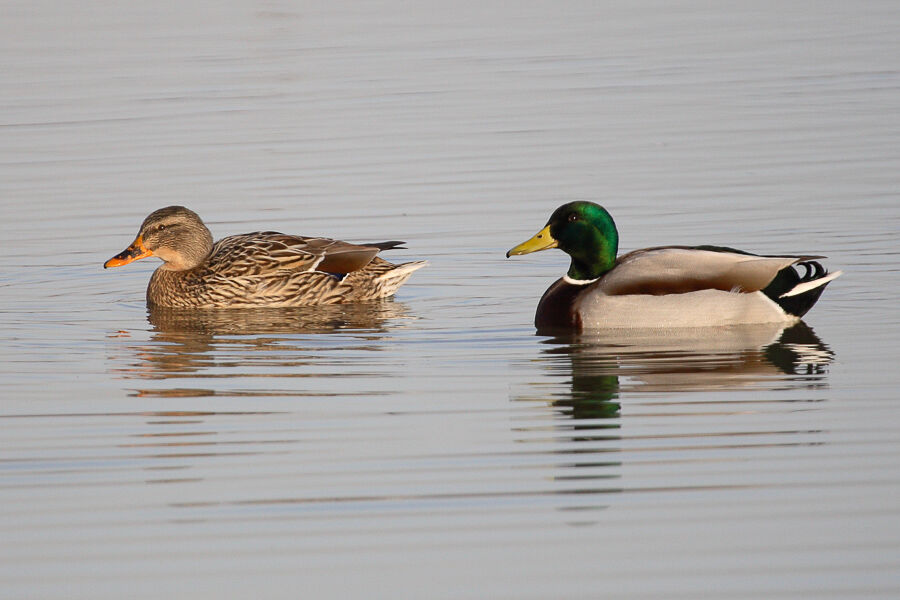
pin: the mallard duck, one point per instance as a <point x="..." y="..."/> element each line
<point x="665" y="286"/>
<point x="264" y="268"/>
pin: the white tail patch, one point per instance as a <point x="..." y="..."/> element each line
<point x="811" y="285"/>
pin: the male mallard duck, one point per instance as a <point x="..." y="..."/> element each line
<point x="666" y="286"/>
<point x="264" y="268"/>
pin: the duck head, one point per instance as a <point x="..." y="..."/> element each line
<point x="175" y="234"/>
<point x="584" y="231"/>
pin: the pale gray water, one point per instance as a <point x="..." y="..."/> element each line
<point x="434" y="446"/>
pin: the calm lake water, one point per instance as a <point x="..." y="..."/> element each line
<point x="434" y="446"/>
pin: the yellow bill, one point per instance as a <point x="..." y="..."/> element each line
<point x="541" y="241"/>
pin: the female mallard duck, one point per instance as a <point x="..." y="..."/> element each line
<point x="256" y="269"/>
<point x="667" y="286"/>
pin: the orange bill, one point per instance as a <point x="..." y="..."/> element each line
<point x="135" y="251"/>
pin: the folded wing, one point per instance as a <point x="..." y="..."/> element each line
<point x="682" y="269"/>
<point x="265" y="252"/>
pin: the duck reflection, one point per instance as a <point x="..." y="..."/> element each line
<point x="241" y="342"/>
<point x="603" y="363"/>
<point x="596" y="370"/>
<point x="192" y="356"/>
<point x="369" y="317"/>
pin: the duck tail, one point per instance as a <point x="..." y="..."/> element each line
<point x="390" y="281"/>
<point x="380" y="278"/>
<point x="796" y="293"/>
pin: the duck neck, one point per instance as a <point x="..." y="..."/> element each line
<point x="192" y="252"/>
<point x="585" y="272"/>
<point x="594" y="257"/>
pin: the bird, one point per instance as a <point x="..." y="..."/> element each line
<point x="664" y="286"/>
<point x="259" y="269"/>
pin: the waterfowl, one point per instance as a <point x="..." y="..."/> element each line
<point x="264" y="268"/>
<point x="665" y="286"/>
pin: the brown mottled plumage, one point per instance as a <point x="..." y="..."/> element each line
<point x="263" y="268"/>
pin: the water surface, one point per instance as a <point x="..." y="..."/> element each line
<point x="434" y="446"/>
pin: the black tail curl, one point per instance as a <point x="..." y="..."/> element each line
<point x="789" y="278"/>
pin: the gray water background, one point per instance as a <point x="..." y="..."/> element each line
<point x="434" y="447"/>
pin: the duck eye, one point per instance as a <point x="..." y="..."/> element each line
<point x="161" y="228"/>
<point x="573" y="217"/>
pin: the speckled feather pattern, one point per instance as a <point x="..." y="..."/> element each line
<point x="275" y="270"/>
<point x="259" y="269"/>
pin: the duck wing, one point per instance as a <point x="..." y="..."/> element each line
<point x="680" y="269"/>
<point x="267" y="252"/>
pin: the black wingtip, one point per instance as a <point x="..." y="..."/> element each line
<point x="392" y="245"/>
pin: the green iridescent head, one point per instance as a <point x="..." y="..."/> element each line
<point x="584" y="231"/>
